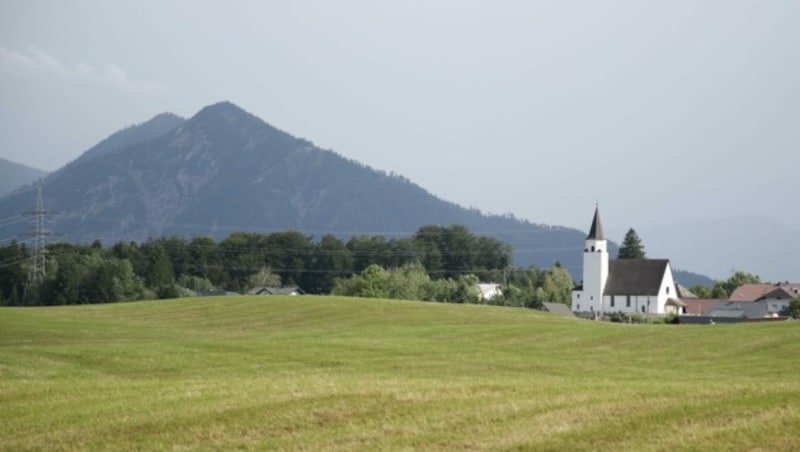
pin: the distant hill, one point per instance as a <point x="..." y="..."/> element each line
<point x="717" y="247"/>
<point x="225" y="170"/>
<point x="688" y="279"/>
<point x="15" y="175"/>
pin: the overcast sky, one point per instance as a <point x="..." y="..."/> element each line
<point x="661" y="110"/>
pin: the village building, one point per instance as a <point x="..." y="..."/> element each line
<point x="643" y="286"/>
<point x="776" y="296"/>
<point x="487" y="291"/>
<point x="270" y="290"/>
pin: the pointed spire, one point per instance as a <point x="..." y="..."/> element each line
<point x="596" y="231"/>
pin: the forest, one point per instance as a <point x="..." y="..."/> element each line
<point x="437" y="263"/>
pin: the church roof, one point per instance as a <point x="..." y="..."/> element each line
<point x="596" y="231"/>
<point x="635" y="276"/>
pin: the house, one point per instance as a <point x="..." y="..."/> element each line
<point x="644" y="286"/>
<point x="285" y="290"/>
<point x="777" y="296"/>
<point x="487" y="291"/>
<point x="755" y="292"/>
<point x="699" y="306"/>
<point x="747" y="310"/>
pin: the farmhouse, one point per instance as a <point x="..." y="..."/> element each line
<point x="776" y="296"/>
<point x="487" y="291"/>
<point x="644" y="286"/>
<point x="268" y="290"/>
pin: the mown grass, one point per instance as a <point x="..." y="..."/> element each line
<point x="336" y="373"/>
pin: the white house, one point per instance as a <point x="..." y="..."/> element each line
<point x="489" y="291"/>
<point x="643" y="286"/>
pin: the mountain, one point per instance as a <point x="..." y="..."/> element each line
<point x="15" y="175"/>
<point x="716" y="247"/>
<point x="225" y="170"/>
<point x="154" y="128"/>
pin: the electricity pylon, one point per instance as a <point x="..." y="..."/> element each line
<point x="39" y="258"/>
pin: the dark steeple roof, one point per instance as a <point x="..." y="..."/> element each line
<point x="596" y="232"/>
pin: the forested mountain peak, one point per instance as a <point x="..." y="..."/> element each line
<point x="157" y="126"/>
<point x="225" y="170"/>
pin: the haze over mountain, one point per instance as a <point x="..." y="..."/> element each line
<point x="717" y="247"/>
<point x="666" y="112"/>
<point x="15" y="175"/>
<point x="225" y="170"/>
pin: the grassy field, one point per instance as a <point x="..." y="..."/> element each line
<point x="336" y="373"/>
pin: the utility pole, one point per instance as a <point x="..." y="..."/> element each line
<point x="39" y="257"/>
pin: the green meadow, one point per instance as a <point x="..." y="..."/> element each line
<point x="330" y="373"/>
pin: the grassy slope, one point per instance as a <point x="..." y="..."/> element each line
<point x="336" y="373"/>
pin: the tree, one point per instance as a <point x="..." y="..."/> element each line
<point x="289" y="253"/>
<point x="157" y="272"/>
<point x="557" y="285"/>
<point x="264" y="277"/>
<point x="793" y="310"/>
<point x="331" y="260"/>
<point x="631" y="247"/>
<point x="373" y="282"/>
<point x="13" y="277"/>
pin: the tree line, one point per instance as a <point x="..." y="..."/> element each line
<point x="436" y="263"/>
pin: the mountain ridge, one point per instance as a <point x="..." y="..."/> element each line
<point x="225" y="170"/>
<point x="14" y="175"/>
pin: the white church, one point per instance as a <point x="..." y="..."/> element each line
<point x="643" y="286"/>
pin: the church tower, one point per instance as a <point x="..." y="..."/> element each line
<point x="595" y="266"/>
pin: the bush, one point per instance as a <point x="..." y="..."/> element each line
<point x="672" y="319"/>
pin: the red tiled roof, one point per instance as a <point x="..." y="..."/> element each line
<point x="700" y="306"/>
<point x="752" y="292"/>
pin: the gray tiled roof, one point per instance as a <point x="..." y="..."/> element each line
<point x="746" y="309"/>
<point x="635" y="276"/>
<point x="265" y="290"/>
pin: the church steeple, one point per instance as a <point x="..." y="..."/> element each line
<point x="595" y="269"/>
<point x="596" y="231"/>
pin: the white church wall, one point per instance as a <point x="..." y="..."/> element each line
<point x="631" y="304"/>
<point x="666" y="291"/>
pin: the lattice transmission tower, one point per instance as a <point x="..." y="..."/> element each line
<point x="39" y="257"/>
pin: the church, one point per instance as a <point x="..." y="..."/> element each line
<point x="643" y="286"/>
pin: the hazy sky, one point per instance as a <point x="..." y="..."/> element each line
<point x="661" y="110"/>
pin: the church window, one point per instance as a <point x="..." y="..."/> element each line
<point x="627" y="301"/>
<point x="579" y="294"/>
<point x="578" y="308"/>
<point x="667" y="290"/>
<point x="642" y="308"/>
<point x="593" y="248"/>
<point x="612" y="301"/>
